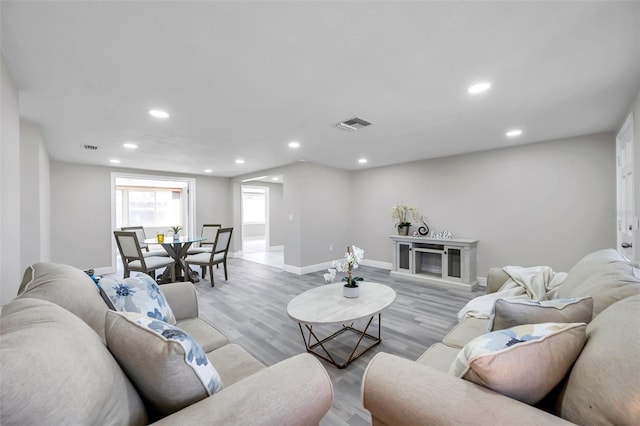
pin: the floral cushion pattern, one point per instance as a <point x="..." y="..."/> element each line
<point x="138" y="294"/>
<point x="510" y="313"/>
<point x="523" y="362"/>
<point x="169" y="368"/>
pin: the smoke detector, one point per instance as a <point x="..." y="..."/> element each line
<point x="353" y="124"/>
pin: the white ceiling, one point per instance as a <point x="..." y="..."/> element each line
<point x="242" y="79"/>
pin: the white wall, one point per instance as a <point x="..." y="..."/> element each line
<point x="536" y="204"/>
<point x="319" y="199"/>
<point x="45" y="202"/>
<point x="81" y="210"/>
<point x="10" y="241"/>
<point x="212" y="202"/>
<point x="542" y="203"/>
<point x="35" y="195"/>
<point x="81" y="215"/>
<point x="316" y="198"/>
<point x="277" y="217"/>
<point x="253" y="230"/>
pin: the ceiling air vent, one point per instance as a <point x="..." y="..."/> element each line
<point x="90" y="147"/>
<point x="353" y="124"/>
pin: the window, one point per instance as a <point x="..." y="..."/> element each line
<point x="149" y="206"/>
<point x="154" y="202"/>
<point x="253" y="205"/>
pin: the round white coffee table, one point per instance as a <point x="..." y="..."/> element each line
<point x="325" y="305"/>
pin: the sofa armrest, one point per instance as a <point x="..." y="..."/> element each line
<point x="182" y="298"/>
<point x="496" y="277"/>
<point x="296" y="391"/>
<point x="398" y="391"/>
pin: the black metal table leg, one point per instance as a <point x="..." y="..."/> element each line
<point x="352" y="356"/>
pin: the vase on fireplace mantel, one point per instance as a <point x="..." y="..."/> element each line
<point x="403" y="229"/>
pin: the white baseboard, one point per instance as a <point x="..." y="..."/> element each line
<point x="377" y="264"/>
<point x="276" y="248"/>
<point x="105" y="270"/>
<point x="482" y="281"/>
<point x="307" y="269"/>
<point x="429" y="279"/>
<point x="326" y="265"/>
<point x="235" y="253"/>
<point x="292" y="269"/>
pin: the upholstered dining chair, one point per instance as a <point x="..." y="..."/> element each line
<point x="134" y="260"/>
<point x="217" y="256"/>
<point x="209" y="232"/>
<point x="139" y="230"/>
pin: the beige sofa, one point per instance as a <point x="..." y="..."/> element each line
<point x="602" y="387"/>
<point x="57" y="369"/>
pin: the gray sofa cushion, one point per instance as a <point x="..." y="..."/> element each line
<point x="439" y="357"/>
<point x="234" y="363"/>
<point x="603" y="275"/>
<point x="204" y="333"/>
<point x="465" y="331"/>
<point x="68" y="287"/>
<point x="55" y="370"/>
<point x="602" y="388"/>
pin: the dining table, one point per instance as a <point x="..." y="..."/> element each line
<point x="177" y="249"/>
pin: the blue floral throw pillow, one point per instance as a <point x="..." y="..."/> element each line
<point x="138" y="294"/>
<point x="523" y="362"/>
<point x="167" y="366"/>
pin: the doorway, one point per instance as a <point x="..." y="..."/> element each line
<point x="155" y="202"/>
<point x="255" y="219"/>
<point x="261" y="224"/>
<point x="626" y="217"/>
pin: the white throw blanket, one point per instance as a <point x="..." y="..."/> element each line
<point x="534" y="283"/>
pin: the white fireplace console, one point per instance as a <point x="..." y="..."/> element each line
<point x="448" y="263"/>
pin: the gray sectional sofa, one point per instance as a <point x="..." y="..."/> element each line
<point x="601" y="388"/>
<point x="57" y="369"/>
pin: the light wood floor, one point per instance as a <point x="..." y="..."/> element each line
<point x="250" y="309"/>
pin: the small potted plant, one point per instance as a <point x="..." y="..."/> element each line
<point x="176" y="230"/>
<point x="352" y="259"/>
<point x="400" y="215"/>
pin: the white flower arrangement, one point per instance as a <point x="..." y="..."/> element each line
<point x="330" y="276"/>
<point x="400" y="214"/>
<point x="351" y="260"/>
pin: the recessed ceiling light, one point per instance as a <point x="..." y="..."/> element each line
<point x="294" y="144"/>
<point x="479" y="87"/>
<point x="130" y="145"/>
<point x="362" y="161"/>
<point x="239" y="161"/>
<point x="114" y="161"/>
<point x="513" y="133"/>
<point x="158" y="113"/>
<point x="208" y="170"/>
